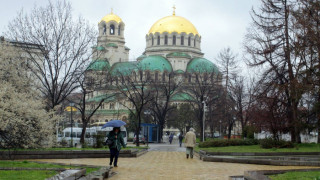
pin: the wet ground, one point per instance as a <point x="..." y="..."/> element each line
<point x="165" y="161"/>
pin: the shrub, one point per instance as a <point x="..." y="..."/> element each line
<point x="226" y="142"/>
<point x="99" y="139"/>
<point x="269" y="143"/>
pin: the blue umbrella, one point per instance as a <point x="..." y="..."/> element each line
<point x="114" y="123"/>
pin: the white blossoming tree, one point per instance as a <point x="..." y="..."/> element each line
<point x="24" y="123"/>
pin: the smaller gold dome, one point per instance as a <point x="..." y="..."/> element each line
<point x="111" y="17"/>
<point x="173" y="24"/>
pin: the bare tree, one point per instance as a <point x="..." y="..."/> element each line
<point x="203" y="88"/>
<point x="270" y="44"/>
<point x="82" y="103"/>
<point x="308" y="49"/>
<point x="64" y="43"/>
<point x="136" y="89"/>
<point x="162" y="92"/>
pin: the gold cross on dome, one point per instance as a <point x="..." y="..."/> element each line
<point x="174" y="10"/>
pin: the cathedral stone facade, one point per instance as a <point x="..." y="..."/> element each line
<point x="173" y="45"/>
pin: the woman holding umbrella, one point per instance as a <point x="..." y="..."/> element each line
<point x="117" y="138"/>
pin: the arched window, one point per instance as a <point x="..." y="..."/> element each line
<point x="141" y="75"/>
<point x="189" y="41"/>
<point x="152" y="40"/>
<point x="112" y="29"/>
<point x="164" y="76"/>
<point x="104" y="29"/>
<point x="174" y="40"/>
<point x="194" y="43"/>
<point x="158" y="41"/>
<point x="165" y="39"/>
<point x="119" y="30"/>
<point x="182" y="40"/>
<point x="156" y="74"/>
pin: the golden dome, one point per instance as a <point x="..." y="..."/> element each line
<point x="173" y="24"/>
<point x="111" y="17"/>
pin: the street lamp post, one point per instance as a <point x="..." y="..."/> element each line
<point x="220" y="130"/>
<point x="203" y="119"/>
<point x="71" y="104"/>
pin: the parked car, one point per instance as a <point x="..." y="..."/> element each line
<point x="142" y="139"/>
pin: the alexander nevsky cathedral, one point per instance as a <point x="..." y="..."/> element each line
<point x="173" y="45"/>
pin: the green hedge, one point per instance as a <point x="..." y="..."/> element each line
<point x="264" y="143"/>
<point x="226" y="142"/>
<point x="269" y="143"/>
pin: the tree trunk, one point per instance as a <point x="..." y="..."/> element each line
<point x="229" y="130"/>
<point x="85" y="123"/>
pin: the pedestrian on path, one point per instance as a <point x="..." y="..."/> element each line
<point x="171" y="138"/>
<point x="116" y="137"/>
<point x="190" y="142"/>
<point x="180" y="138"/>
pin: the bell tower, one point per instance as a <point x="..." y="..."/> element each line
<point x="111" y="42"/>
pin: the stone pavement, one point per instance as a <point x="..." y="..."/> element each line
<point x="169" y="162"/>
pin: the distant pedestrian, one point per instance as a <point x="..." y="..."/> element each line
<point x="180" y="138"/>
<point x="171" y="138"/>
<point x="190" y="142"/>
<point x="117" y="138"/>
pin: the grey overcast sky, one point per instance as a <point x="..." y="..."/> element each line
<point x="221" y="23"/>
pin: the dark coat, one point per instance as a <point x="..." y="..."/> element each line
<point x="117" y="142"/>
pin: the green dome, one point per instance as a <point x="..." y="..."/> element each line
<point x="141" y="57"/>
<point x="123" y="68"/>
<point x="99" y="65"/>
<point x="201" y="65"/>
<point x="155" y="63"/>
<point x="178" y="54"/>
<point x="181" y="96"/>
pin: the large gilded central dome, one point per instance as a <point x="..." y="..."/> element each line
<point x="173" y="24"/>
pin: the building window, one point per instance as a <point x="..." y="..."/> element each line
<point x="141" y="75"/>
<point x="164" y="77"/>
<point x="152" y="40"/>
<point x="158" y="42"/>
<point x="104" y="29"/>
<point x="156" y="76"/>
<point x="174" y="40"/>
<point x="102" y="106"/>
<point x="112" y="29"/>
<point x="111" y="106"/>
<point x="165" y="39"/>
<point x="189" y="41"/>
<point x="182" y="40"/>
<point x="194" y="43"/>
<point x="119" y="30"/>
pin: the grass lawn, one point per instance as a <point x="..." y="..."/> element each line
<point x="26" y="174"/>
<point x="74" y="149"/>
<point x="33" y="174"/>
<point x="311" y="175"/>
<point x="257" y="148"/>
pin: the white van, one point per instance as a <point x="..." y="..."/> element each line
<point x="90" y="132"/>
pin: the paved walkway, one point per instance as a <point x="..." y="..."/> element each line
<point x="163" y="162"/>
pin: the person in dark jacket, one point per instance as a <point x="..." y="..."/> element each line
<point x="180" y="138"/>
<point x="170" y="138"/>
<point x="117" y="138"/>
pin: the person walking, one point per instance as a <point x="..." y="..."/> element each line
<point x="171" y="138"/>
<point x="180" y="138"/>
<point x="190" y="142"/>
<point x="116" y="137"/>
